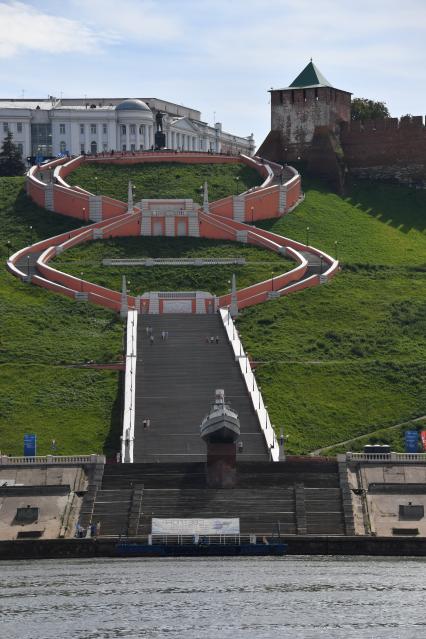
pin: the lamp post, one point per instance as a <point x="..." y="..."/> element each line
<point x="31" y="234"/>
<point x="252" y="214"/>
<point x="307" y="236"/>
<point x="8" y="248"/>
<point x="96" y="184"/>
<point x="272" y="280"/>
<point x="28" y="265"/>
<point x="81" y="281"/>
<point x="84" y="213"/>
<point x="336" y="244"/>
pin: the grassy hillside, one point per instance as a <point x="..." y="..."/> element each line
<point x="168" y="180"/>
<point x="41" y="336"/>
<point x="348" y="358"/>
<point x="336" y="362"/>
<point x="87" y="258"/>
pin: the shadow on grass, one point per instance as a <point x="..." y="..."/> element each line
<point x="112" y="443"/>
<point x="393" y="204"/>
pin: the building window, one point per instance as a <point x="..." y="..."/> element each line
<point x="81" y="129"/>
<point x="93" y="129"/>
<point x="62" y="147"/>
<point x="93" y="147"/>
<point x="133" y="147"/>
<point x="82" y="149"/>
<point x="141" y="147"/>
<point x="20" y="148"/>
<point x="142" y="129"/>
<point x="304" y="95"/>
<point x="62" y="129"/>
<point x="105" y="147"/>
<point x="41" y="139"/>
<point x="5" y="127"/>
<point x="133" y="129"/>
<point x="123" y="148"/>
<point x="123" y="129"/>
<point x="104" y="129"/>
<point x="19" y="127"/>
<point x="316" y="94"/>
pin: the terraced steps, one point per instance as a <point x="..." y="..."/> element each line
<point x="175" y="384"/>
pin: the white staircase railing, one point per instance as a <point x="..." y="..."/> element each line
<point x="128" y="436"/>
<point x="251" y="384"/>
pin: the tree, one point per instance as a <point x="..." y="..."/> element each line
<point x="364" y="109"/>
<point x="10" y="158"/>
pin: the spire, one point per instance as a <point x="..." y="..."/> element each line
<point x="311" y="76"/>
<point x="233" y="309"/>
<point x="206" y="198"/>
<point x="124" y="307"/>
<point x="130" y="198"/>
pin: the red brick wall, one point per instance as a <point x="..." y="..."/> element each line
<point x="392" y="144"/>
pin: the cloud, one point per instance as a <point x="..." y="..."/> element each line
<point x="24" y="28"/>
<point x="143" y="21"/>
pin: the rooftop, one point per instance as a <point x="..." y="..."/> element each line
<point x="311" y="76"/>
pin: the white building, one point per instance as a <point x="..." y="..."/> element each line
<point x="49" y="127"/>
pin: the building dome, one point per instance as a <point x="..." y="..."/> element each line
<point x="132" y="105"/>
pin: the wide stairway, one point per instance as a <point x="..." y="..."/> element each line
<point x="176" y="380"/>
<point x="293" y="497"/>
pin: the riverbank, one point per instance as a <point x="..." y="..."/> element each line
<point x="297" y="545"/>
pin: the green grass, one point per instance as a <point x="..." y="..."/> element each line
<point x="41" y="334"/>
<point x="338" y="361"/>
<point x="168" y="180"/>
<point x="87" y="258"/>
<point x="80" y="409"/>
<point x="348" y="358"/>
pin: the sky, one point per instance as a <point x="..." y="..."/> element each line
<point x="219" y="57"/>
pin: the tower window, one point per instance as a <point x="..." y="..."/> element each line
<point x="304" y="95"/>
<point x="316" y="94"/>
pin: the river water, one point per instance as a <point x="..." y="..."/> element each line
<point x="264" y="598"/>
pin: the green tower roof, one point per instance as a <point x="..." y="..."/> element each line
<point x="310" y="77"/>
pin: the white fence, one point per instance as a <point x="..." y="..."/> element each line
<point x="251" y="384"/>
<point x="69" y="460"/>
<point x="178" y="261"/>
<point x="128" y="436"/>
<point x="390" y="458"/>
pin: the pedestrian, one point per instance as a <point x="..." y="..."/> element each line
<point x="212" y="339"/>
<point x="217" y="339"/>
<point x="148" y="422"/>
<point x="144" y="423"/>
<point x="163" y="335"/>
<point x="98" y="528"/>
<point x="53" y="444"/>
<point x="93" y="529"/>
<point x="147" y="330"/>
<point x="151" y="339"/>
<point x="240" y="446"/>
<point x="166" y="334"/>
